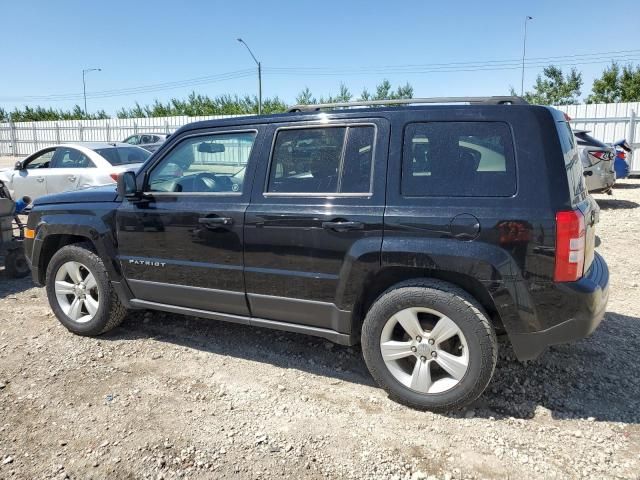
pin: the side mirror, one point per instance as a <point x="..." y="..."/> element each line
<point x="19" y="165"/>
<point x="127" y="186"/>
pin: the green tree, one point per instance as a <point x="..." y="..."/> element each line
<point x="555" y="88"/>
<point x="305" y="97"/>
<point x="616" y="85"/>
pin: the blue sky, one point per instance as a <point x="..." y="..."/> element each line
<point x="46" y="45"/>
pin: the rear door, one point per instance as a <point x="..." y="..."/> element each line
<point x="182" y="244"/>
<point x="317" y="206"/>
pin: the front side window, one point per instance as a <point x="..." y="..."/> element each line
<point x="458" y="159"/>
<point x="70" y="158"/>
<point x="322" y="160"/>
<point x="41" y="161"/>
<point x="204" y="164"/>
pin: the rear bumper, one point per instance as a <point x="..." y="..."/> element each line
<point x="589" y="295"/>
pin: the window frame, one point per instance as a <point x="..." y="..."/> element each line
<point x="59" y="154"/>
<point x="510" y="154"/>
<point x="36" y="155"/>
<point x="147" y="172"/>
<point x="346" y="125"/>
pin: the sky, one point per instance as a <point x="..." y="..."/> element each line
<point x="315" y="44"/>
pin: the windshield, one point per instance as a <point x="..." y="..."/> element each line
<point x="123" y="155"/>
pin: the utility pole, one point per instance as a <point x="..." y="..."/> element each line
<point x="84" y="85"/>
<point x="259" y="75"/>
<point x="524" y="53"/>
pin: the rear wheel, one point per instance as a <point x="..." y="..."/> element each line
<point x="80" y="293"/>
<point x="429" y="345"/>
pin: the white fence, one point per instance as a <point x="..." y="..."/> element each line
<point x="608" y="122"/>
<point x="24" y="138"/>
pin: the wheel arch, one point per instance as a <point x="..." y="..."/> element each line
<point x="394" y="275"/>
<point x="53" y="243"/>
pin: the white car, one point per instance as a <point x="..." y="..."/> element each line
<point x="71" y="166"/>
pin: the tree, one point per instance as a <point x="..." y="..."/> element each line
<point x="305" y="97"/>
<point x="616" y="85"/>
<point x="554" y="88"/>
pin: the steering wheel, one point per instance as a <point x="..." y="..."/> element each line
<point x="206" y="182"/>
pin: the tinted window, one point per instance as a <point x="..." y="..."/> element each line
<point x="573" y="166"/>
<point x="322" y="160"/>
<point x="587" y="140"/>
<point x="123" y="155"/>
<point x="70" y="158"/>
<point x="132" y="140"/>
<point x="206" y="164"/>
<point x="463" y="159"/>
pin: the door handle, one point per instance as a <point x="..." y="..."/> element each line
<point x="342" y="226"/>
<point x="72" y="178"/>
<point x="40" y="179"/>
<point x="216" y="221"/>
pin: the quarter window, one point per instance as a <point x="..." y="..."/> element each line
<point x="324" y="160"/>
<point x="461" y="159"/>
<point x="204" y="164"/>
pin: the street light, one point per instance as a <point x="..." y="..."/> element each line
<point x="259" y="75"/>
<point x="84" y="84"/>
<point x="524" y="52"/>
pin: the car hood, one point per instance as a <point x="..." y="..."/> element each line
<point x="106" y="193"/>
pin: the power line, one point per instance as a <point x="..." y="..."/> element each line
<point x="141" y="89"/>
<point x="449" y="67"/>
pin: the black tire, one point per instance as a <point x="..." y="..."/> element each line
<point x="15" y="264"/>
<point x="110" y="312"/>
<point x="468" y="316"/>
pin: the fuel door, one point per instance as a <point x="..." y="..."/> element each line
<point x="465" y="227"/>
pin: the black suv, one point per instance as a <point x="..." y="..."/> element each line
<point x="421" y="231"/>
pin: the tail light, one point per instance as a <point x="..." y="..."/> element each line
<point x="602" y="154"/>
<point x="622" y="154"/>
<point x="567" y="117"/>
<point x="570" y="246"/>
<point x="114" y="176"/>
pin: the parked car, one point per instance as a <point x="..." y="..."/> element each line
<point x="148" y="141"/>
<point x="71" y="166"/>
<point x="621" y="165"/>
<point x="598" y="162"/>
<point x="422" y="232"/>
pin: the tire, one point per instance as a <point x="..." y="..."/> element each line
<point x="15" y="264"/>
<point x="419" y="379"/>
<point x="101" y="309"/>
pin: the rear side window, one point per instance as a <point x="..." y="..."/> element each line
<point x="572" y="163"/>
<point x="123" y="155"/>
<point x="324" y="160"/>
<point x="458" y="159"/>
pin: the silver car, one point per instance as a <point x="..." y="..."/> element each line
<point x="71" y="166"/>
<point x="598" y="162"/>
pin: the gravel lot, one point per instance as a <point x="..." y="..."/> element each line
<point x="167" y="396"/>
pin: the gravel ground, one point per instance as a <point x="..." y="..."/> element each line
<point x="167" y="396"/>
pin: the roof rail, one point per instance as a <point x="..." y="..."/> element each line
<point x="506" y="100"/>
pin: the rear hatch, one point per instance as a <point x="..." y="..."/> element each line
<point x="581" y="199"/>
<point x="597" y="151"/>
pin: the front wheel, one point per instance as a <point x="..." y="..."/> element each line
<point x="429" y="345"/>
<point x="80" y="293"/>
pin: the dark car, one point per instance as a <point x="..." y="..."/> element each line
<point x="149" y="141"/>
<point x="421" y="231"/>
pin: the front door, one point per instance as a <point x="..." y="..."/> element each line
<point x="181" y="245"/>
<point x="314" y="220"/>
<point x="32" y="179"/>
